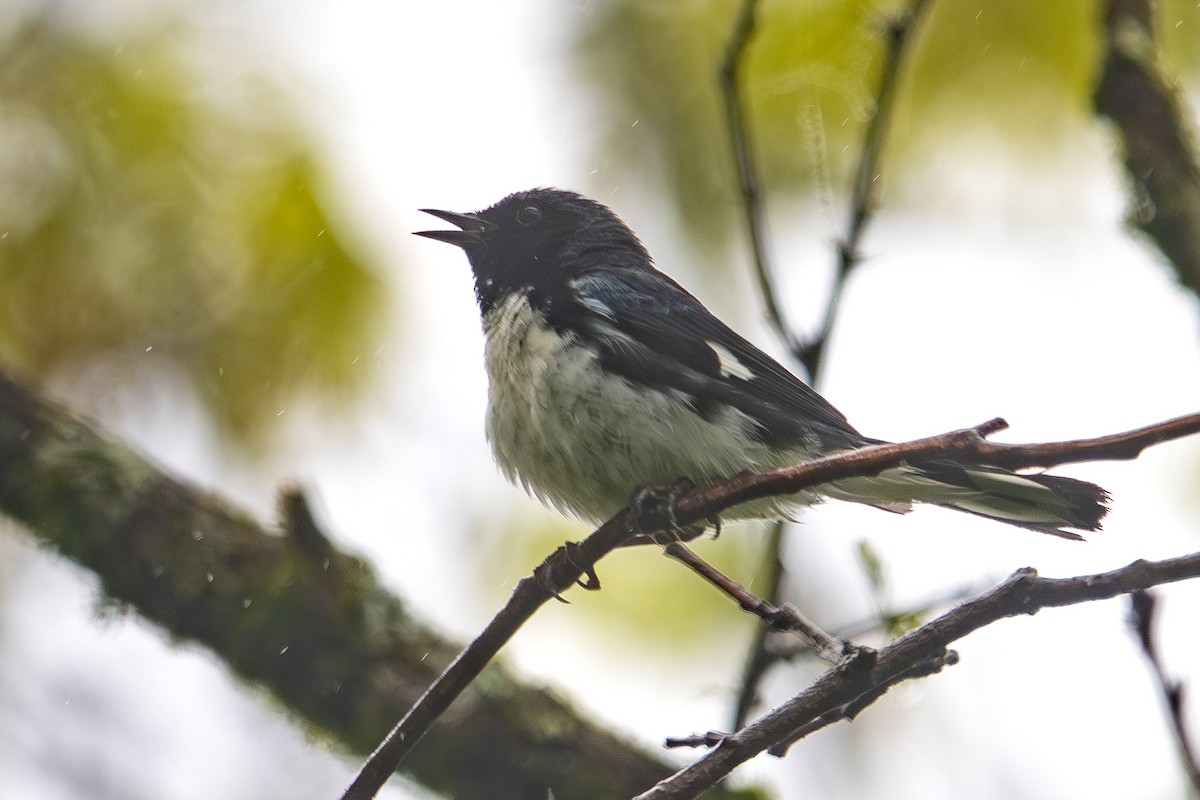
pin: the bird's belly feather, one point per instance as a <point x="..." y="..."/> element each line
<point x="583" y="441"/>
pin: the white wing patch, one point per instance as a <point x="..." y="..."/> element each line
<point x="592" y="303"/>
<point x="728" y="364"/>
<point x="597" y="306"/>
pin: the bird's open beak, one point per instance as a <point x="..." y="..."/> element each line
<point x="473" y="228"/>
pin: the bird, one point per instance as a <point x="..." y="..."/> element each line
<point x="606" y="376"/>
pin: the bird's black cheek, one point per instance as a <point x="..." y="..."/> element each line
<point x="488" y="295"/>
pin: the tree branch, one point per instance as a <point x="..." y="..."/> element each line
<point x="1142" y="607"/>
<point x="761" y="657"/>
<point x="776" y="617"/>
<point x="966" y="446"/>
<point x="1153" y="128"/>
<point x="900" y="30"/>
<point x="867" y="675"/>
<point x="571" y="562"/>
<point x="292" y="613"/>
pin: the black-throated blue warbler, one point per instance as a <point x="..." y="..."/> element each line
<point x="605" y="376"/>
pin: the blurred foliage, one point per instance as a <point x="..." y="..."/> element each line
<point x="1018" y="70"/>
<point x="143" y="208"/>
<point x="894" y="623"/>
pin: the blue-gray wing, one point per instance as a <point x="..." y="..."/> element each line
<point x="652" y="332"/>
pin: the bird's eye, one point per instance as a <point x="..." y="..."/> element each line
<point x="529" y="215"/>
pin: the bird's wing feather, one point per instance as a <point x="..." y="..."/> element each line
<point x="652" y="331"/>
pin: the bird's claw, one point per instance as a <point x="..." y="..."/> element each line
<point x="664" y="497"/>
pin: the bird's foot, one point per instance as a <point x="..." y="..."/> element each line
<point x="651" y="502"/>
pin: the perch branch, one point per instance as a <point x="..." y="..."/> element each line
<point x="570" y="563"/>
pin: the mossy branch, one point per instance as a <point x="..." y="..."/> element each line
<point x="289" y="611"/>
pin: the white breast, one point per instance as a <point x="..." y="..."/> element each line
<point x="583" y="441"/>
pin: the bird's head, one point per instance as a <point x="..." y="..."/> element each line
<point x="539" y="239"/>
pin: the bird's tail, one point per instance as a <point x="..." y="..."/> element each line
<point x="1046" y="503"/>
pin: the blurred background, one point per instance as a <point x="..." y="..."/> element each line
<point x="205" y="217"/>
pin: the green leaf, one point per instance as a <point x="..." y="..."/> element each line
<point x="145" y="221"/>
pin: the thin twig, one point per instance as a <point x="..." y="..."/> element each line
<point x="869" y="672"/>
<point x="567" y="565"/>
<point x="777" y="617"/>
<point x="1142" y="607"/>
<point x="761" y="657"/>
<point x="709" y="739"/>
<point x="865" y="197"/>
<point x="883" y="621"/>
<point x="729" y="79"/>
<point x="1116" y="447"/>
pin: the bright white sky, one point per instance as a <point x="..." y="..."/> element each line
<point x="994" y="290"/>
